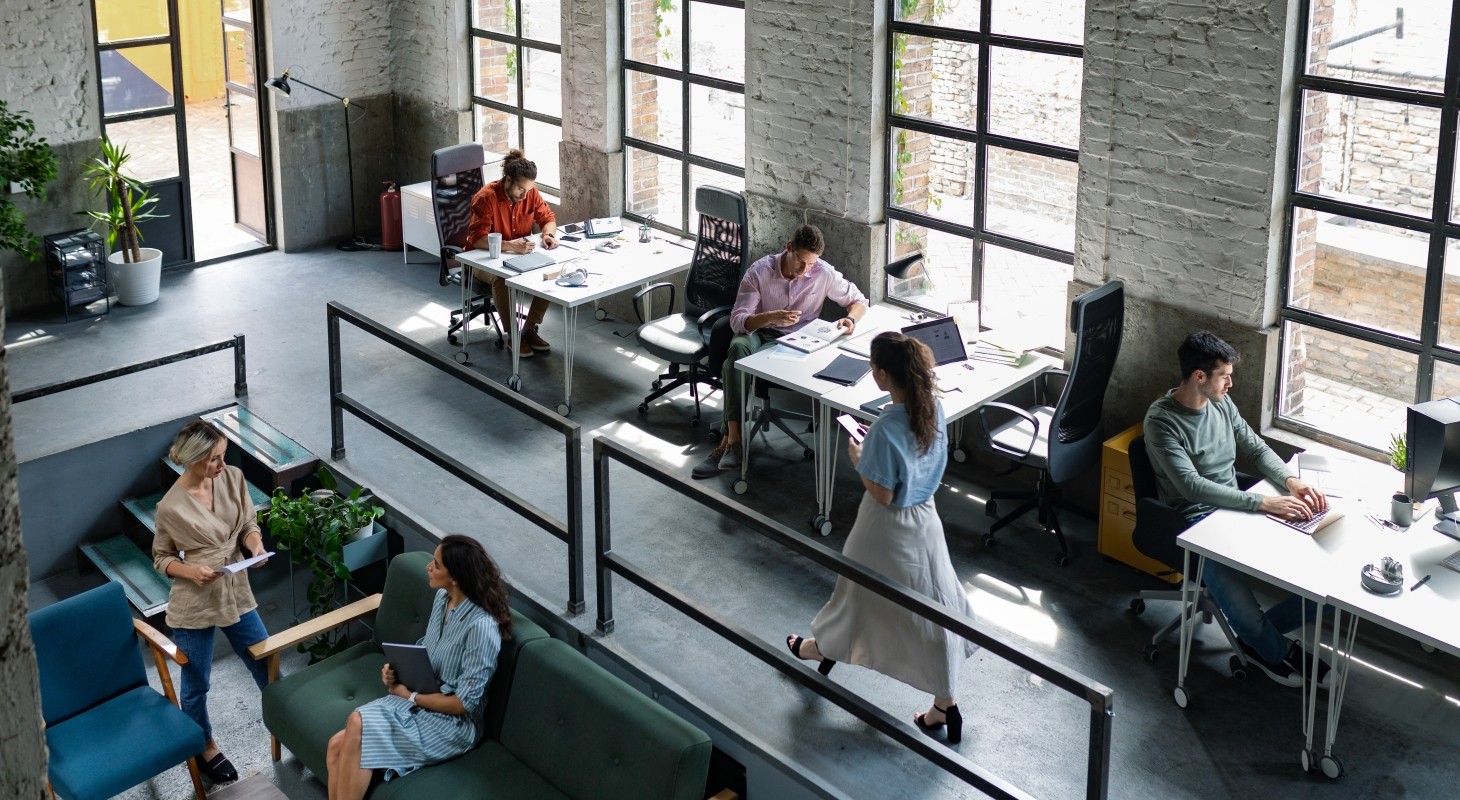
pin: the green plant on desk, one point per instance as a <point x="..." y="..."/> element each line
<point x="1398" y="452"/>
<point x="313" y="529"/>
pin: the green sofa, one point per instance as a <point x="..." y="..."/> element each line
<point x="557" y="725"/>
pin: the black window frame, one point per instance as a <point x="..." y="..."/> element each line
<point x="519" y="112"/>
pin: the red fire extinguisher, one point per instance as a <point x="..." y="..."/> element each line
<point x="390" y="224"/>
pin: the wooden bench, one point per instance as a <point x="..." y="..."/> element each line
<point x="285" y="459"/>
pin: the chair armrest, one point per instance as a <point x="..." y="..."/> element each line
<point x="725" y="794"/>
<point x="158" y="642"/>
<point x="311" y="628"/>
<point x="639" y="298"/>
<point x="449" y="252"/>
<point x="1044" y="392"/>
<point x="709" y="318"/>
<point x="988" y="431"/>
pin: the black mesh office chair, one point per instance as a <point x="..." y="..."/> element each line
<point x="456" y="176"/>
<point x="1157" y="526"/>
<point x="683" y="339"/>
<point x="1064" y="440"/>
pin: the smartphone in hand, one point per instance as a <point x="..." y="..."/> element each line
<point x="853" y="426"/>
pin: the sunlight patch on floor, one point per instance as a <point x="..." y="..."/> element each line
<point x="427" y="317"/>
<point x="1386" y="673"/>
<point x="646" y="444"/>
<point x="1012" y="608"/>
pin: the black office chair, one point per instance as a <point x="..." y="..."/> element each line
<point x="683" y="339"/>
<point x="1064" y="440"/>
<point x="765" y="415"/>
<point x="456" y="176"/>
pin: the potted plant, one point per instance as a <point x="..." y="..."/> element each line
<point x="314" y="529"/>
<point x="26" y="161"/>
<point x="1404" y="508"/>
<point x="136" y="270"/>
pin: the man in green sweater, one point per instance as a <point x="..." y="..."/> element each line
<point x="1194" y="434"/>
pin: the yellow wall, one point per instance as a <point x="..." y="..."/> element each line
<point x="199" y="24"/>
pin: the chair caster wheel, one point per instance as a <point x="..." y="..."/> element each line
<point x="808" y="454"/>
<point x="1138" y="606"/>
<point x="960" y="455"/>
<point x="656" y="385"/>
<point x="643" y="409"/>
<point x="453" y="340"/>
<point x="514" y="383"/>
<point x="715" y="435"/>
<point x="741" y="486"/>
<point x="821" y="525"/>
<point x="1063" y="559"/>
<point x="1239" y="670"/>
<point x="600" y="314"/>
<point x="991" y="508"/>
<point x="1331" y="766"/>
<point x="1150" y="653"/>
<point x="1182" y="697"/>
<point x="988" y="540"/>
<point x="461" y="356"/>
<point x="500" y="344"/>
<point x="694" y="422"/>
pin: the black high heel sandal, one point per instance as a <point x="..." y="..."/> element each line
<point x="794" y="643"/>
<point x="954" y="723"/>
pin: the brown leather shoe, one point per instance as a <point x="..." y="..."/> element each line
<point x="523" y="349"/>
<point x="534" y="341"/>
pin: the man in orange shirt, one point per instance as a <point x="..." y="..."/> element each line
<point x="510" y="206"/>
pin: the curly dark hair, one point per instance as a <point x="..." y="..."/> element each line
<point x="516" y="167"/>
<point x="467" y="562"/>
<point x="909" y="364"/>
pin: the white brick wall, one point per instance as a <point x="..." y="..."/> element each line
<point x="47" y="68"/>
<point x="429" y="58"/>
<point x="1182" y="143"/>
<point x="815" y="120"/>
<point x="343" y="46"/>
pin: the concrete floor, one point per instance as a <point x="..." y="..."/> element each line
<point x="1400" y="730"/>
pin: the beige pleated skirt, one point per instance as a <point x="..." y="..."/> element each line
<point x="859" y="627"/>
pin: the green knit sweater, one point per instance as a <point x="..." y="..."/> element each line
<point x="1194" y="454"/>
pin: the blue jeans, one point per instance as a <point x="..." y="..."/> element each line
<point x="1262" y="631"/>
<point x="197" y="645"/>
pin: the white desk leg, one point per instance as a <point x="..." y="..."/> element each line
<point x="825" y="460"/>
<point x="514" y="299"/>
<point x="1343" y="653"/>
<point x="570" y="333"/>
<point x="747" y="388"/>
<point x="1309" y="704"/>
<point x="959" y="454"/>
<point x="1190" y="589"/>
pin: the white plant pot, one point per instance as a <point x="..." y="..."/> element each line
<point x="137" y="284"/>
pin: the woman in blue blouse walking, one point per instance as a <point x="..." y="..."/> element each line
<point x="406" y="730"/>
<point x="898" y="533"/>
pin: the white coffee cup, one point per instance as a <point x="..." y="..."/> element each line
<point x="494" y="245"/>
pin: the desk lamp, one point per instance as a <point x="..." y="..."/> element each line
<point x="281" y="85"/>
<point x="903" y="268"/>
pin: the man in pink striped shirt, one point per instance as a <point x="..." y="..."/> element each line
<point x="780" y="293"/>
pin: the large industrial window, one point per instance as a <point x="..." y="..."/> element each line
<point x="516" y="87"/>
<point x="684" y="105"/>
<point x="983" y="131"/>
<point x="1371" y="312"/>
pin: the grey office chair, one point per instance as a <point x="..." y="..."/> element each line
<point x="1157" y="526"/>
<point x="456" y="176"/>
<point x="721" y="252"/>
<point x="1063" y="440"/>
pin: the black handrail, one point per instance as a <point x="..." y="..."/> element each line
<point x="240" y="373"/>
<point x="570" y="532"/>
<point x="1101" y="698"/>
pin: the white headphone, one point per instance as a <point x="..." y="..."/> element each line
<point x="577" y="277"/>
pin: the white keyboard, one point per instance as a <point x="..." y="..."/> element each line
<point x="1452" y="561"/>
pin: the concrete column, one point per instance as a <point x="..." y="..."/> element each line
<point x="591" y="155"/>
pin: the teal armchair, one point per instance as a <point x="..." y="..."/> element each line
<point x="106" y="728"/>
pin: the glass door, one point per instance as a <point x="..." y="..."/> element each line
<point x="250" y="210"/>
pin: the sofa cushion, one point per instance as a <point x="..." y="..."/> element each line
<point x="524" y="630"/>
<point x="489" y="771"/>
<point x="110" y="748"/>
<point x="305" y="708"/>
<point x="594" y="736"/>
<point x="406" y="605"/>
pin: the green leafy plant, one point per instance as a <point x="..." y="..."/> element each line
<point x="313" y="529"/>
<point x="128" y="202"/>
<point x="1398" y="452"/>
<point x="27" y="160"/>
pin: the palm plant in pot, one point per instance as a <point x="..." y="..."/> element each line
<point x="313" y="529"/>
<point x="137" y="270"/>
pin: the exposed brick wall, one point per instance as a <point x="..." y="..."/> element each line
<point x="641" y="108"/>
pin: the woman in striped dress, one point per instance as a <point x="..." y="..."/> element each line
<point x="406" y="730"/>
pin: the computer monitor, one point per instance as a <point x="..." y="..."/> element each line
<point x="1432" y="435"/>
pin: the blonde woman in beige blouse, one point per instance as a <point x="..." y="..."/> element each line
<point x="206" y="520"/>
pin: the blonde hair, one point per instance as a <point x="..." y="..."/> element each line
<point x="193" y="443"/>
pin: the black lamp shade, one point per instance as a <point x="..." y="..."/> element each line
<point x="279" y="84"/>
<point x="902" y="267"/>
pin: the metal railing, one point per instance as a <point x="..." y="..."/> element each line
<point x="570" y="531"/>
<point x="608" y="563"/>
<point x="240" y="374"/>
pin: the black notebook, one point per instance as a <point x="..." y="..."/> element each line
<point x="845" y="370"/>
<point x="412" y="667"/>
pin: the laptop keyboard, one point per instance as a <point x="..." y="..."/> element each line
<point x="1451" y="561"/>
<point x="1305" y="525"/>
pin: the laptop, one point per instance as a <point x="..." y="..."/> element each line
<point x="1313" y="524"/>
<point x="943" y="337"/>
<point x="528" y="262"/>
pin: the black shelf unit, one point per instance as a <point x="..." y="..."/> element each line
<point x="76" y="267"/>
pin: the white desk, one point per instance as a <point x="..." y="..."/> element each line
<point x="965" y="391"/>
<point x="1324" y="569"/>
<point x="631" y="266"/>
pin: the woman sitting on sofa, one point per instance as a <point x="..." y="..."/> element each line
<point x="406" y="730"/>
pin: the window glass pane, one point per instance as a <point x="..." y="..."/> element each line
<point x="699" y="176"/>
<point x="717" y="124"/>
<point x="542" y="142"/>
<point x="652" y="33"/>
<point x="933" y="175"/>
<point x="1035" y="96"/>
<point x="121" y="20"/>
<point x="496" y="130"/>
<point x="136" y="79"/>
<point x="654" y="112"/>
<point x="1057" y="21"/>
<point x="238" y="55"/>
<point x="1026" y="294"/>
<point x="542" y="86"/>
<point x="1360" y="272"/>
<point x="152" y="145"/>
<point x="241" y="10"/>
<point x="1031" y="197"/>
<point x="717" y="41"/>
<point x="1450" y="298"/>
<point x="1345" y="386"/>
<point x="1446" y="382"/>
<point x="496" y="71"/>
<point x="655" y="186"/>
<point x="541" y="20"/>
<point x="935" y="79"/>
<point x="498" y="16"/>
<point x="961" y="15"/>
<point x="1341" y="45"/>
<point x="1375" y="152"/>
<point x="945" y="274"/>
<point x="243" y="122"/>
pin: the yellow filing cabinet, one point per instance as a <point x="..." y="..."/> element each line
<point x="1118" y="505"/>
